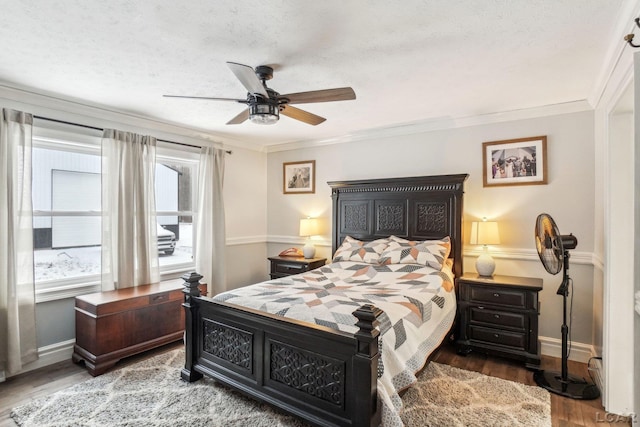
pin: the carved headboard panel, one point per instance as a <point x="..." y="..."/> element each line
<point x="415" y="208"/>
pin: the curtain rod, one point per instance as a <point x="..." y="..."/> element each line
<point x="102" y="129"/>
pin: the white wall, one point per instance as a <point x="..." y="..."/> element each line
<point x="568" y="196"/>
<point x="245" y="198"/>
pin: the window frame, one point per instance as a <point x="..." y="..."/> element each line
<point x="89" y="142"/>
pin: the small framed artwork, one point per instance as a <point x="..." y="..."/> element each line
<point x="299" y="177"/>
<point x="520" y="161"/>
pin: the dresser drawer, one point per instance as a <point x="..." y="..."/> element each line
<point x="494" y="336"/>
<point x="499" y="315"/>
<point x="496" y="296"/>
<point x="501" y="319"/>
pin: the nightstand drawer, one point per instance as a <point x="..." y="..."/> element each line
<point x="289" y="269"/>
<point x="499" y="315"/>
<point x="287" y="266"/>
<point x="509" y="339"/>
<point x="498" y="318"/>
<point x="496" y="296"/>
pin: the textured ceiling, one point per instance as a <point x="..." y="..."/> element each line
<point x="408" y="61"/>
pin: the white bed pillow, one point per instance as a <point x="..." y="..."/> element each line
<point x="356" y="250"/>
<point x="432" y="253"/>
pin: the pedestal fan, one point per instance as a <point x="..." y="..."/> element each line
<point x="553" y="249"/>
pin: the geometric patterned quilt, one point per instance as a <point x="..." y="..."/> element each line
<point x="418" y="306"/>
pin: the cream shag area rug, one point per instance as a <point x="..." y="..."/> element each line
<point x="150" y="393"/>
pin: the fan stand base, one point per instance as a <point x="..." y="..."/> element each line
<point x="572" y="387"/>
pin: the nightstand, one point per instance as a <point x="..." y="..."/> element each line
<point x="282" y="266"/>
<point x="499" y="315"/>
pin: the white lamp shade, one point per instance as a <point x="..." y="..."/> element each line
<point x="484" y="233"/>
<point x="309" y="227"/>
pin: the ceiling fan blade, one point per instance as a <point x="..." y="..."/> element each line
<point x="326" y="95"/>
<point x="240" y="118"/>
<point x="243" y="101"/>
<point x="248" y="78"/>
<point x="303" y="116"/>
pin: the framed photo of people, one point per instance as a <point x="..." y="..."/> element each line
<point x="520" y="161"/>
<point x="299" y="177"/>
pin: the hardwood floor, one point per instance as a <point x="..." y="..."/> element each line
<point x="564" y="412"/>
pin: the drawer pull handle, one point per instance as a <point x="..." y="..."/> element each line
<point x="497" y="316"/>
<point x="496" y="335"/>
<point x="497" y="295"/>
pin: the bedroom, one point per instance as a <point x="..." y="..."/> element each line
<point x="261" y="221"/>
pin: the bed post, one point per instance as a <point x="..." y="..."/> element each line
<point x="191" y="309"/>
<point x="366" y="412"/>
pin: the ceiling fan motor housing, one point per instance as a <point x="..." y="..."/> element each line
<point x="264" y="72"/>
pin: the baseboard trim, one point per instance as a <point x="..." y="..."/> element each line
<point x="50" y="354"/>
<point x="580" y="352"/>
<point x="62" y="351"/>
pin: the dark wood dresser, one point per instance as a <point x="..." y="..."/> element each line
<point x="282" y="266"/>
<point x="117" y="324"/>
<point x="499" y="315"/>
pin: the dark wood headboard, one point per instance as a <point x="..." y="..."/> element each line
<point x="415" y="208"/>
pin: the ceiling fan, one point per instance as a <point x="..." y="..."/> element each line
<point x="265" y="104"/>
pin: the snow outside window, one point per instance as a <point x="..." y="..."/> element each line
<point x="67" y="214"/>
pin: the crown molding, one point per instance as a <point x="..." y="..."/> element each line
<point x="82" y="112"/>
<point x="439" y="124"/>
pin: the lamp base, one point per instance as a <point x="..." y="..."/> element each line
<point x="308" y="250"/>
<point x="485" y="265"/>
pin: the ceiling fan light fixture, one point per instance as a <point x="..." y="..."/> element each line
<point x="264" y="114"/>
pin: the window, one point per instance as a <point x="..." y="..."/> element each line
<point x="176" y="191"/>
<point x="67" y="211"/>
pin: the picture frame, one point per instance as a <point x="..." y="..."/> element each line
<point x="521" y="161"/>
<point x="299" y="177"/>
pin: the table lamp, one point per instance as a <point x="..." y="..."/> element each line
<point x="309" y="227"/>
<point x="485" y="233"/>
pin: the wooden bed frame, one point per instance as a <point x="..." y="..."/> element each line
<point x="324" y="376"/>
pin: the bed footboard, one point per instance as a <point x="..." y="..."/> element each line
<point x="326" y="377"/>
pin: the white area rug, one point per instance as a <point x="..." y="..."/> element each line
<point x="150" y="393"/>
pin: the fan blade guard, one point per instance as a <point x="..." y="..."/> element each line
<point x="549" y="243"/>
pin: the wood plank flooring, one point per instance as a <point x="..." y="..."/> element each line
<point x="564" y="412"/>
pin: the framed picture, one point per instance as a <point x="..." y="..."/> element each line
<point x="299" y="177"/>
<point x="515" y="162"/>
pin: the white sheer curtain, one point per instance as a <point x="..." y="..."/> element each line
<point x="17" y="294"/>
<point x="129" y="235"/>
<point x="210" y="234"/>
